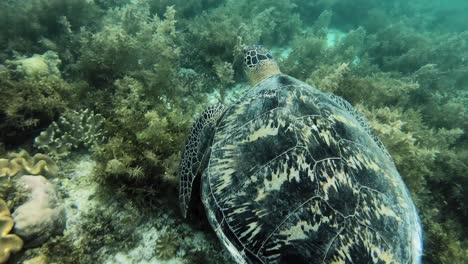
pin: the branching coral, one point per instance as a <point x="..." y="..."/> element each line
<point x="8" y="243"/>
<point x="72" y="131"/>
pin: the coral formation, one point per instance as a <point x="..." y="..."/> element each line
<point x="42" y="215"/>
<point x="21" y="163"/>
<point x="73" y="130"/>
<point x="9" y="243"/>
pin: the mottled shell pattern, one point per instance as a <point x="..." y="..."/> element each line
<point x="297" y="176"/>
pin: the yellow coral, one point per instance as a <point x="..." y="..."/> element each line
<point x="22" y="163"/>
<point x="9" y="243"/>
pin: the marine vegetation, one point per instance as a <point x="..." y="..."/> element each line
<point x="166" y="245"/>
<point x="136" y="73"/>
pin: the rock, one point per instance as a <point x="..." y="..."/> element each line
<point x="42" y="215"/>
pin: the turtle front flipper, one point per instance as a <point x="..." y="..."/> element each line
<point x="197" y="152"/>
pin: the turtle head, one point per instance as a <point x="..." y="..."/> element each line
<point x="259" y="64"/>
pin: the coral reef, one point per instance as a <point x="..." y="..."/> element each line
<point x="149" y="67"/>
<point x="72" y="131"/>
<point x="9" y="243"/>
<point x="42" y="215"/>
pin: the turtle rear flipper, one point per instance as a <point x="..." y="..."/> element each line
<point x="196" y="153"/>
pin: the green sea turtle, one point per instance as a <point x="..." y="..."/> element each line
<point x="290" y="174"/>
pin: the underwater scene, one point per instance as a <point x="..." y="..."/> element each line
<point x="233" y="131"/>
